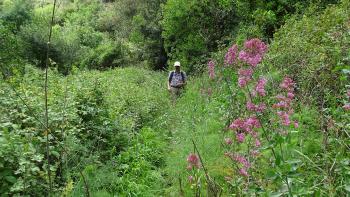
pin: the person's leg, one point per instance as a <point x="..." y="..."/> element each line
<point x="173" y="94"/>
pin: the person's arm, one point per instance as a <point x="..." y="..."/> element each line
<point x="184" y="80"/>
<point x="169" y="81"/>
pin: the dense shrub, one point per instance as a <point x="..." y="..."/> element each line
<point x="16" y="13"/>
<point x="94" y="118"/>
<point x="191" y="29"/>
<point x="11" y="61"/>
<point x="108" y="55"/>
<point x="314" y="51"/>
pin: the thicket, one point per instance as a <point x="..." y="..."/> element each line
<point x="155" y="32"/>
<point x="98" y="127"/>
<point x="115" y="132"/>
<point x="87" y="34"/>
<point x="310" y="156"/>
<point x="194" y="29"/>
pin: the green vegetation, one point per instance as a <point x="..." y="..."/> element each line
<point x="96" y="121"/>
<point x="113" y="129"/>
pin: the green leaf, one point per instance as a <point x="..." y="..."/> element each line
<point x="271" y="174"/>
<point x="11" y="179"/>
<point x="278" y="159"/>
<point x="347" y="188"/>
<point x="55" y="153"/>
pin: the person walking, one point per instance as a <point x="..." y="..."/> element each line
<point x="176" y="81"/>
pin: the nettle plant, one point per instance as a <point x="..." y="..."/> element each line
<point x="262" y="129"/>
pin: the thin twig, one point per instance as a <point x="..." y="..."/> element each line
<point x="85" y="184"/>
<point x="46" y="100"/>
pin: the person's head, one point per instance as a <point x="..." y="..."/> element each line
<point x="177" y="65"/>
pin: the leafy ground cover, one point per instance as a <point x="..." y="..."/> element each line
<point x="266" y="120"/>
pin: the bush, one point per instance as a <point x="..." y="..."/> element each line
<point x="11" y="61"/>
<point x="314" y="52"/>
<point x="107" y="55"/>
<point x="16" y="13"/>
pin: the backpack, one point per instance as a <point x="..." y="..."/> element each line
<point x="172" y="74"/>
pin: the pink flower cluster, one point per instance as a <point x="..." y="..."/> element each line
<point x="257" y="108"/>
<point x="242" y="162"/>
<point x="245" y="75"/>
<point x="211" y="68"/>
<point x="253" y="52"/>
<point x="260" y="87"/>
<point x="288" y="84"/>
<point x="244" y="128"/>
<point x="193" y="161"/>
<point x="228" y="141"/>
<point x="284" y="104"/>
<point x="246" y="125"/>
<point x="231" y="55"/>
<point x="347" y="107"/>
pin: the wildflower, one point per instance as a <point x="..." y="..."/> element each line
<point x="260" y="87"/>
<point x="240" y="137"/>
<point x="231" y="54"/>
<point x="253" y="52"/>
<point x="287" y="84"/>
<point x="246" y="125"/>
<point x="228" y="141"/>
<point x="284" y="117"/>
<point x="190" y="179"/>
<point x="257" y="143"/>
<point x="346" y="107"/>
<point x="261" y="107"/>
<point x="258" y="108"/>
<point x="281" y="104"/>
<point x="211" y="68"/>
<point x="348" y="93"/>
<point x="252" y="122"/>
<point x="243" y="172"/>
<point x="250" y="106"/>
<point x="242" y="160"/>
<point x="284" y="102"/>
<point x="296" y="124"/>
<point x="290" y="95"/>
<point x="254" y="134"/>
<point x="193" y="160"/>
<point x="236" y="124"/>
<point x="245" y="75"/>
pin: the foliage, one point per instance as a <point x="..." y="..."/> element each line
<point x="115" y="132"/>
<point x="10" y="59"/>
<point x="108" y="55"/>
<point x="15" y="13"/>
<point x="314" y="52"/>
<point x="92" y="123"/>
<point x="192" y="29"/>
<point x="207" y="110"/>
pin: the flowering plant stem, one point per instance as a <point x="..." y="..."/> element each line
<point x="272" y="148"/>
<point x="212" y="186"/>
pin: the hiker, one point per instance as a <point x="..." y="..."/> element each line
<point x="176" y="80"/>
